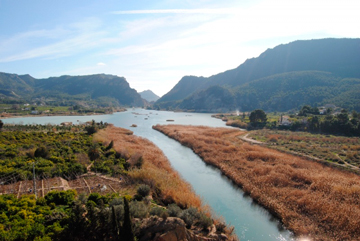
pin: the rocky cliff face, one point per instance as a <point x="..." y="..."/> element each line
<point x="173" y="229"/>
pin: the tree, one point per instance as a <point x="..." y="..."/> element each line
<point x="1" y="124"/>
<point x="94" y="152"/>
<point x="305" y="110"/>
<point x="41" y="152"/>
<point x="258" y="116"/>
<point x="314" y="123"/>
<point x="127" y="232"/>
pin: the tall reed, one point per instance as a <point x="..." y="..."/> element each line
<point x="312" y="200"/>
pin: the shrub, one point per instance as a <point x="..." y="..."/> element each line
<point x="41" y="152"/>
<point x="98" y="198"/>
<point x="111" y="144"/>
<point x="220" y="227"/>
<point x="204" y="221"/>
<point x="189" y="216"/>
<point x="60" y="197"/>
<point x="138" y="209"/>
<point x="173" y="210"/>
<point x="157" y="211"/>
<point x="91" y="129"/>
<point x="143" y="190"/>
<point x="41" y="201"/>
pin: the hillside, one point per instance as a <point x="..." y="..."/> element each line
<point x="267" y="81"/>
<point x="148" y="95"/>
<point x="101" y="89"/>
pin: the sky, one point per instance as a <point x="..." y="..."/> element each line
<point x="153" y="44"/>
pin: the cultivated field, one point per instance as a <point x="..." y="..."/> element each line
<point x="336" y="150"/>
<point x="311" y="199"/>
<point x="87" y="184"/>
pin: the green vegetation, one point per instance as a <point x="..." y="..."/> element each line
<point x="68" y="151"/>
<point x="63" y="151"/>
<point x="257" y="117"/>
<point x="91" y="92"/>
<point x="63" y="214"/>
<point x="21" y="108"/>
<point x="312" y="72"/>
<point x="308" y="119"/>
<point x="336" y="150"/>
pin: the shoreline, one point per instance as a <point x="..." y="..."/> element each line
<point x="8" y="116"/>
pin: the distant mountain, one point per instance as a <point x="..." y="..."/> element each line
<point x="100" y="88"/>
<point x="285" y="77"/>
<point x="149" y="96"/>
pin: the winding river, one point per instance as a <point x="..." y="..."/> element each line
<point x="251" y="221"/>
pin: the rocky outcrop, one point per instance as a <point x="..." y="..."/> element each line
<point x="171" y="229"/>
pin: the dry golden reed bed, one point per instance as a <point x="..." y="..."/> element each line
<point x="156" y="169"/>
<point x="312" y="200"/>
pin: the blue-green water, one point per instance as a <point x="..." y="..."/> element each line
<point x="251" y="221"/>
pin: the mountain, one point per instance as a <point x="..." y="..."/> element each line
<point x="100" y="89"/>
<point x="285" y="77"/>
<point x="149" y="96"/>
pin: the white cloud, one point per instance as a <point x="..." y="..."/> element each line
<point x="153" y="49"/>
<point x="52" y="43"/>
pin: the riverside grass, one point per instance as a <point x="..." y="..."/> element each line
<point x="312" y="200"/>
<point x="156" y="169"/>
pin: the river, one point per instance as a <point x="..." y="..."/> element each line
<point x="251" y="221"/>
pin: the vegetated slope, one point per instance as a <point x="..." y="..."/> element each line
<point x="149" y="95"/>
<point x="213" y="99"/>
<point x="337" y="56"/>
<point x="14" y="85"/>
<point x="311" y="199"/>
<point x="286" y="91"/>
<point x="85" y="88"/>
<point x="186" y="86"/>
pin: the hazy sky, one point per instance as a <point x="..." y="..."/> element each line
<point x="155" y="43"/>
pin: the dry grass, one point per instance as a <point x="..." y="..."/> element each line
<point x="156" y="170"/>
<point x="338" y="151"/>
<point x="310" y="199"/>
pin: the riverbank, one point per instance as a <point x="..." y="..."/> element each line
<point x="156" y="171"/>
<point x="101" y="170"/>
<point x="312" y="200"/>
<point x="5" y="115"/>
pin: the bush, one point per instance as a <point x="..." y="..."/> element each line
<point x="204" y="221"/>
<point x="174" y="210"/>
<point x="138" y="209"/>
<point x="98" y="199"/>
<point x="220" y="227"/>
<point x="189" y="216"/>
<point x="91" y="129"/>
<point x="60" y="197"/>
<point x="157" y="211"/>
<point x="143" y="190"/>
<point x="41" y="152"/>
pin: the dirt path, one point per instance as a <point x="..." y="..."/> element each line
<point x="252" y="141"/>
